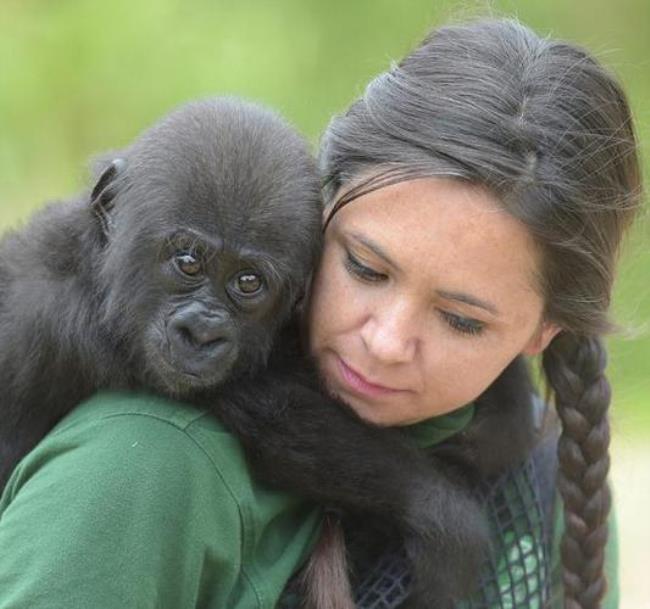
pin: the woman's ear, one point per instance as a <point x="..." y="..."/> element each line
<point x="546" y="332"/>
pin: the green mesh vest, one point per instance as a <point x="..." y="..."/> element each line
<point x="520" y="507"/>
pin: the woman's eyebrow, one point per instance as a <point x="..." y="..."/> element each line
<point x="447" y="295"/>
<point x="470" y="300"/>
<point x="373" y="247"/>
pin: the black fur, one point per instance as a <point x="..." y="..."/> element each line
<point x="101" y="292"/>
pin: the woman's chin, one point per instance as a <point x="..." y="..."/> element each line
<point x="371" y="414"/>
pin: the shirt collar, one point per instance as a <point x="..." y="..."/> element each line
<point x="436" y="429"/>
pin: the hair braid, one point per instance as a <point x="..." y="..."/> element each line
<point x="574" y="367"/>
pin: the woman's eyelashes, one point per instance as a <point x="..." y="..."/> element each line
<point x="464" y="325"/>
<point x="361" y="271"/>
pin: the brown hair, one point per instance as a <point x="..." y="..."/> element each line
<point x="548" y="130"/>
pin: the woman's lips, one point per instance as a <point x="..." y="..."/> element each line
<point x="358" y="384"/>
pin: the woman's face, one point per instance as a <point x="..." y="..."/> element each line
<point x="425" y="292"/>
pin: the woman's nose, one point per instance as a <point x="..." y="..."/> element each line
<point x="391" y="335"/>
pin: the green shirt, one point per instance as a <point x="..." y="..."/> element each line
<point x="136" y="501"/>
<point x="139" y="502"/>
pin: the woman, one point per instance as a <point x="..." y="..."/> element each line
<point x="508" y="164"/>
<point x="492" y="175"/>
<point x="477" y="195"/>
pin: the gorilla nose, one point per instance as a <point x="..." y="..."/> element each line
<point x="201" y="330"/>
<point x="202" y="334"/>
<point x="201" y="344"/>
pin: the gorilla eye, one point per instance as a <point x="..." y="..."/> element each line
<point x="248" y="283"/>
<point x="188" y="263"/>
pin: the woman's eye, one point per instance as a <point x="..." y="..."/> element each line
<point x="188" y="263"/>
<point x="248" y="283"/>
<point x="361" y="271"/>
<point x="464" y="325"/>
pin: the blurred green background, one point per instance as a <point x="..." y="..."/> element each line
<point x="81" y="76"/>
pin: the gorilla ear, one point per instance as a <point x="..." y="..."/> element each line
<point x="105" y="190"/>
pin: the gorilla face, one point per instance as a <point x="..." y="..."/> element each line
<point x="211" y="223"/>
<point x="218" y="313"/>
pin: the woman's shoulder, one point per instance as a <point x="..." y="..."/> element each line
<point x="132" y="488"/>
<point x="126" y="489"/>
<point x="135" y="409"/>
<point x="133" y="439"/>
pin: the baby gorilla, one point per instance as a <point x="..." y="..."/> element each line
<point x="180" y="273"/>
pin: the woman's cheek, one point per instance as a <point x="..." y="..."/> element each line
<point x="340" y="298"/>
<point x="459" y="370"/>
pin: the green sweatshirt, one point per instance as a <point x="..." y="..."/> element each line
<point x="139" y="502"/>
<point x="134" y="501"/>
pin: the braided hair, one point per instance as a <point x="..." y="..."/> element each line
<point x="544" y="127"/>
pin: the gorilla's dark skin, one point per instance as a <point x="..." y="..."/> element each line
<point x="180" y="274"/>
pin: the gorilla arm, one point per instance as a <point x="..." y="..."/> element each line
<point x="296" y="438"/>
